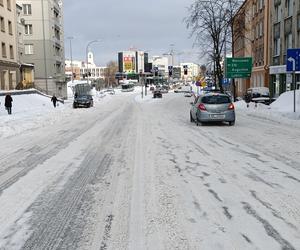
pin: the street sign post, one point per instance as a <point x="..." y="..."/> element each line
<point x="293" y="65"/>
<point x="238" y="67"/>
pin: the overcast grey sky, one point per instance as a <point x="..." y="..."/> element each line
<point x="146" y="25"/>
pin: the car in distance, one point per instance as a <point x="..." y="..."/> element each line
<point x="188" y="94"/>
<point x="83" y="101"/>
<point x="157" y="94"/>
<point x="212" y="107"/>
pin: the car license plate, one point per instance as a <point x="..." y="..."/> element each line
<point x="217" y="116"/>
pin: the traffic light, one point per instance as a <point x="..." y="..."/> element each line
<point x="156" y="71"/>
<point x="185" y="69"/>
<point x="74" y="75"/>
<point x="170" y="71"/>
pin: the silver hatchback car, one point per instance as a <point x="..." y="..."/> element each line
<point x="212" y="107"/>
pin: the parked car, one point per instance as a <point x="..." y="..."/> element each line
<point x="157" y="94"/>
<point x="212" y="107"/>
<point x="83" y="101"/>
<point x="259" y="95"/>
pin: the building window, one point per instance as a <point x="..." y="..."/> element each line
<point x="27" y="9"/>
<point x="9" y="4"/>
<point x="289" y="7"/>
<point x="277" y="47"/>
<point x="28" y="29"/>
<point x="28" y="49"/>
<point x="2" y="24"/>
<point x="260" y="29"/>
<point x="278" y="13"/>
<point x="288" y="41"/>
<point x="254" y="8"/>
<point x="10" y="28"/>
<point x="261" y="4"/>
<point x="11" y="52"/>
<point x="3" y="48"/>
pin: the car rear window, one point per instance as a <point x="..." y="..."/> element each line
<point x="215" y="99"/>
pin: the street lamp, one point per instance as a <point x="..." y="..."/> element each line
<point x="87" y="59"/>
<point x="70" y="38"/>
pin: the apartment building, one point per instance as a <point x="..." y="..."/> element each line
<point x="285" y="26"/>
<point x="242" y="40"/>
<point x="44" y="44"/>
<point x="9" y="67"/>
<point x="251" y="39"/>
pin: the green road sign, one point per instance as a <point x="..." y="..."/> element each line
<point x="238" y="67"/>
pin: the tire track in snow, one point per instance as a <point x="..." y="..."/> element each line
<point x="39" y="155"/>
<point x="52" y="226"/>
<point x="270" y="230"/>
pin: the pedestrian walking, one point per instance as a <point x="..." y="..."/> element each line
<point x="8" y="103"/>
<point x="247" y="99"/>
<point x="54" y="100"/>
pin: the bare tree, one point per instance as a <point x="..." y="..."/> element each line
<point x="210" y="22"/>
<point x="110" y="72"/>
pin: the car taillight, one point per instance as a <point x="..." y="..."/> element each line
<point x="202" y="107"/>
<point x="231" y="106"/>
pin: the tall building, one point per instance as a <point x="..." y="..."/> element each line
<point x="285" y="26"/>
<point x="251" y="31"/>
<point x="132" y="62"/>
<point x="162" y="63"/>
<point x="44" y="44"/>
<point x="9" y="67"/>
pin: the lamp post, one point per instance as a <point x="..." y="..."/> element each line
<point x="70" y="38"/>
<point x="87" y="59"/>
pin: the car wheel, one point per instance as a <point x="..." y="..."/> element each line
<point x="74" y="106"/>
<point x="191" y="118"/>
<point x="231" y="123"/>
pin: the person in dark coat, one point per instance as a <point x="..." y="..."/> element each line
<point x="247" y="99"/>
<point x="8" y="103"/>
<point x="54" y="100"/>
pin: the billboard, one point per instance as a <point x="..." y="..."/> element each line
<point x="129" y="61"/>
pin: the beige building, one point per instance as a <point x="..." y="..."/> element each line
<point x="251" y="39"/>
<point x="8" y="45"/>
<point x="242" y="40"/>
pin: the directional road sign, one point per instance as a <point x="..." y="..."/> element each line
<point x="293" y="60"/>
<point x="239" y="67"/>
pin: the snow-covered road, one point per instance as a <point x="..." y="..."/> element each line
<point x="136" y="174"/>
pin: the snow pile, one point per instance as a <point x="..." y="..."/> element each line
<point x="281" y="111"/>
<point x="285" y="102"/>
<point x="28" y="112"/>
